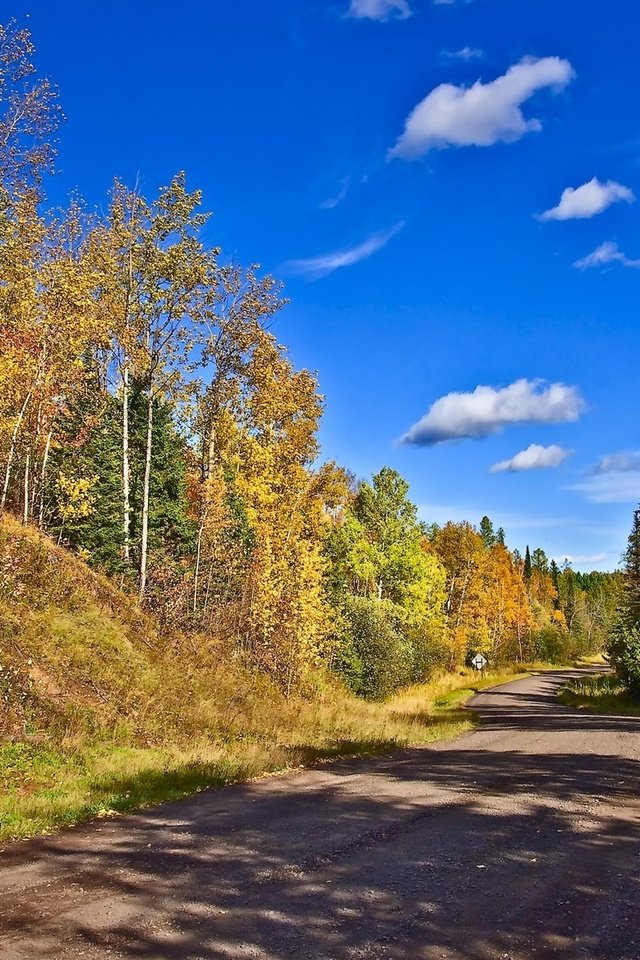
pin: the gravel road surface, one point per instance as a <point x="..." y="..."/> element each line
<point x="515" y="842"/>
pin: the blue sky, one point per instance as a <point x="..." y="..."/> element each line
<point x="414" y="252"/>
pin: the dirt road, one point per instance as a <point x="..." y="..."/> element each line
<point x="517" y="841"/>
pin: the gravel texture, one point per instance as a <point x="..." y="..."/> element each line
<point x="515" y="842"/>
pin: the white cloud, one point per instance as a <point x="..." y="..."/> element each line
<point x="379" y="9"/>
<point x="331" y="202"/>
<point x="613" y="487"/>
<point x="457" y="513"/>
<point x="315" y="267"/>
<point x="482" y="114"/>
<point x="580" y="203"/>
<point x="618" y="463"/>
<point x="466" y="53"/>
<point x="615" y="478"/>
<point x="534" y="457"/>
<point x="583" y="559"/>
<point x="487" y="410"/>
<point x="606" y="253"/>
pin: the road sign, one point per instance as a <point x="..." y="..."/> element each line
<point x="479" y="662"/>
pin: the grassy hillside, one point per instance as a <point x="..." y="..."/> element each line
<point x="100" y="713"/>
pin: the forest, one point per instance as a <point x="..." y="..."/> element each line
<point x="151" y="422"/>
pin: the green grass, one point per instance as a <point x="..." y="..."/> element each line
<point x="601" y="693"/>
<point x="101" y="713"/>
<point x="45" y="786"/>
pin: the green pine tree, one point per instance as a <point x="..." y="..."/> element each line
<point x="487" y="532"/>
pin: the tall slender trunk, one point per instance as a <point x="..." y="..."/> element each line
<point x="126" y="469"/>
<point x="126" y="466"/>
<point x="27" y="465"/>
<point x="12" y="451"/>
<point x="196" y="576"/>
<point x="36" y="444"/>
<point x="43" y="472"/>
<point x="207" y="470"/>
<point x="208" y="590"/>
<point x="145" y="497"/>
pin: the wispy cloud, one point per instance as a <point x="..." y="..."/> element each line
<point x="457" y="513"/>
<point x="482" y="114"/>
<point x="604" y="255"/>
<point x="465" y="53"/>
<point x="488" y="410"/>
<point x="625" y="462"/>
<point x="315" y="267"/>
<point x="583" y="559"/>
<point x="379" y="9"/>
<point x="535" y="457"/>
<point x="615" y="478"/>
<point x="331" y="202"/>
<point x="613" y="487"/>
<point x="580" y="203"/>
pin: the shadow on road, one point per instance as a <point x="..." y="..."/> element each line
<point x="460" y="853"/>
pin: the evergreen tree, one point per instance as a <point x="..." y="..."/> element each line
<point x="539" y="561"/>
<point x="624" y="646"/>
<point x="487" y="532"/>
<point x="526" y="570"/>
<point x="171" y="532"/>
<point x="554" y="572"/>
<point x="631" y="568"/>
<point x="500" y="537"/>
<point x="92" y="456"/>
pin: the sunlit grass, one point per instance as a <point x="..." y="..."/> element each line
<point x="102" y="714"/>
<point x="602" y="693"/>
<point x="44" y="786"/>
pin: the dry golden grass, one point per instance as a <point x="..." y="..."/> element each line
<point x="100" y="714"/>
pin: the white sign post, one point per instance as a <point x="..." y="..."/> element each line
<point x="479" y="662"/>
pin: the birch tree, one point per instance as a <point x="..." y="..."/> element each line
<point x="162" y="275"/>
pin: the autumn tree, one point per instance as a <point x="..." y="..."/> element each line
<point x="29" y="115"/>
<point x="158" y="274"/>
<point x="239" y="310"/>
<point x="286" y="499"/>
<point x="460" y="549"/>
<point x="388" y="585"/>
<point x="50" y="329"/>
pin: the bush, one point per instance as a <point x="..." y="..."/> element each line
<point x="374" y="657"/>
<point x="552" y="645"/>
<point x="624" y="653"/>
<point x="431" y="653"/>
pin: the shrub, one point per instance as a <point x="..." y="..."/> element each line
<point x="552" y="645"/>
<point x="374" y="657"/>
<point x="624" y="653"/>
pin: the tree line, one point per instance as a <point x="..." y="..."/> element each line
<point x="151" y="421"/>
<point x="624" y="641"/>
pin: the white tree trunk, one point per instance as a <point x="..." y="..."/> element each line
<point x="208" y="469"/>
<point x="12" y="451"/>
<point x="126" y="470"/>
<point x="145" y="497"/>
<point x="43" y="472"/>
<point x="27" y="464"/>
